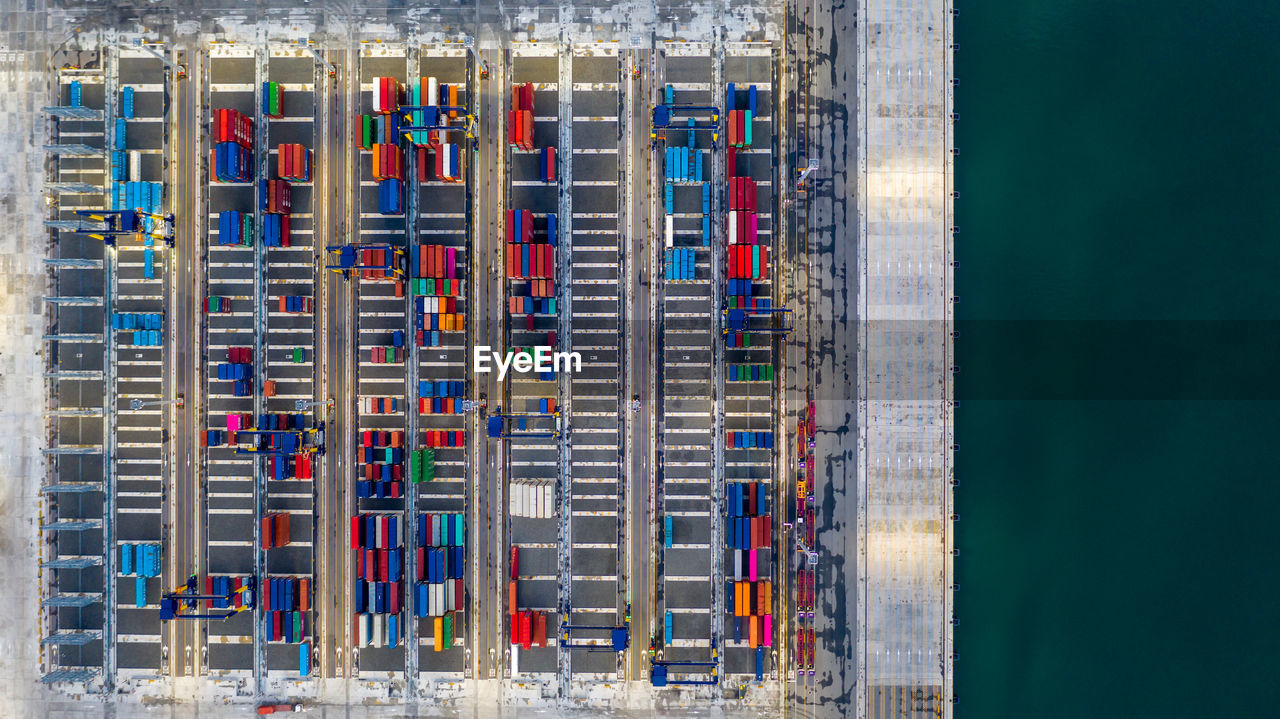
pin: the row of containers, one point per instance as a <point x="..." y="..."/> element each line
<point x="378" y="541"/>
<point x="528" y="627"/>
<point x="126" y="165"/>
<point x="381" y="456"/>
<point x="143" y="330"/>
<point x="441" y="565"/>
<point x="232" y="151"/>
<point x="805" y="574"/>
<point x="680" y="263"/>
<point x="740" y="109"/>
<point x="749" y="537"/>
<point x="750" y="373"/>
<point x="533" y="498"/>
<point x="285" y="604"/>
<point x="436" y="284"/>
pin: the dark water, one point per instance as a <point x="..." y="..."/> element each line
<point x="1119" y="161"/>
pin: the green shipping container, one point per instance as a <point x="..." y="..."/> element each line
<point x="755" y="262"/>
<point x="276" y="94"/>
<point x="551" y="306"/>
<point x="768" y="372"/>
<point x="297" y="355"/>
<point x="457" y="530"/>
<point x="366" y="132"/>
<point x="297" y="626"/>
<point x="746" y="121"/>
<point x="387" y="455"/>
<point x="448" y="630"/>
<point x="246" y="238"/>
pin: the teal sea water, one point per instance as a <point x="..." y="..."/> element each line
<point x="1120" y="375"/>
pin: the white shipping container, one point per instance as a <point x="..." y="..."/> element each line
<point x="548" y="500"/>
<point x="671" y="231"/>
<point x="135" y="166"/>
<point x="379" y="630"/>
<point x="450" y="167"/>
<point x="433" y="93"/>
<point x="737" y="565"/>
<point x="364" y="623"/>
<point x="380" y="536"/>
<point x="450" y="596"/>
<point x="733" y="228"/>
<point x="513" y="499"/>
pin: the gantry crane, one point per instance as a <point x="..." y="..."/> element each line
<point x="348" y="258"/>
<point x="180" y="603"/>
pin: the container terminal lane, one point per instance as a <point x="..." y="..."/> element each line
<point x="302" y="454"/>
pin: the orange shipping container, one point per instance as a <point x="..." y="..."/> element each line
<point x="269" y="387"/>
<point x="511" y="598"/>
<point x="304" y="594"/>
<point x="282" y="530"/>
<point x="266" y="532"/>
<point x="751" y="624"/>
<point x="397" y="438"/>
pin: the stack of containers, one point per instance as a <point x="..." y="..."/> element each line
<point x="528" y="628"/>
<point x="750" y="373"/>
<point x="440" y="161"/>
<point x="275" y="530"/>
<point x="379" y="129"/>
<point x="213" y="304"/>
<point x="748" y="531"/>
<point x="529" y="257"/>
<point x="422" y="465"/>
<point x="232" y="146"/>
<point x="381" y="405"/>
<point x="441" y="438"/>
<point x="238" y="369"/>
<point x="437" y="284"/>
<point x="749" y="440"/>
<point x="389" y="355"/>
<point x="121" y="129"/>
<point x="740" y="120"/>
<point x="276" y="205"/>
<point x="382" y="455"/>
<point x="272" y="100"/>
<point x="295" y="304"/>
<point x="141" y="561"/>
<point x="235" y="228"/>
<point x="126" y="103"/>
<point x="224" y="586"/>
<point x="76" y="93"/>
<point x="145" y="329"/>
<point x="532" y="498"/>
<point x="440" y="396"/>
<point x="143" y="196"/>
<point x="520" y="119"/>
<point x="293" y="162"/>
<point x="283" y="466"/>
<point x="441" y="557"/>
<point x="680" y="264"/>
<point x="388" y="160"/>
<point x="684" y="164"/>
<point x="378" y="540"/>
<point x="149" y="263"/>
<point x="286" y="601"/>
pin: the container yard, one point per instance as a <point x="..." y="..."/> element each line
<point x="280" y="469"/>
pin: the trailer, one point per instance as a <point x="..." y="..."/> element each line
<point x="128" y="222"/>
<point x="661" y="672"/>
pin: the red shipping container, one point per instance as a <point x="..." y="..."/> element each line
<point x="515" y="627"/>
<point x="393" y="598"/>
<point x="540" y="629"/>
<point x="356" y="525"/>
<point x="526" y="97"/>
<point x="515" y="562"/>
<point x="370" y="562"/>
<point x="275" y="625"/>
<point x="511" y="121"/>
<point x="420" y="561"/>
<point x="266" y="532"/>
<point x="458" y="594"/>
<point x="526" y="629"/>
